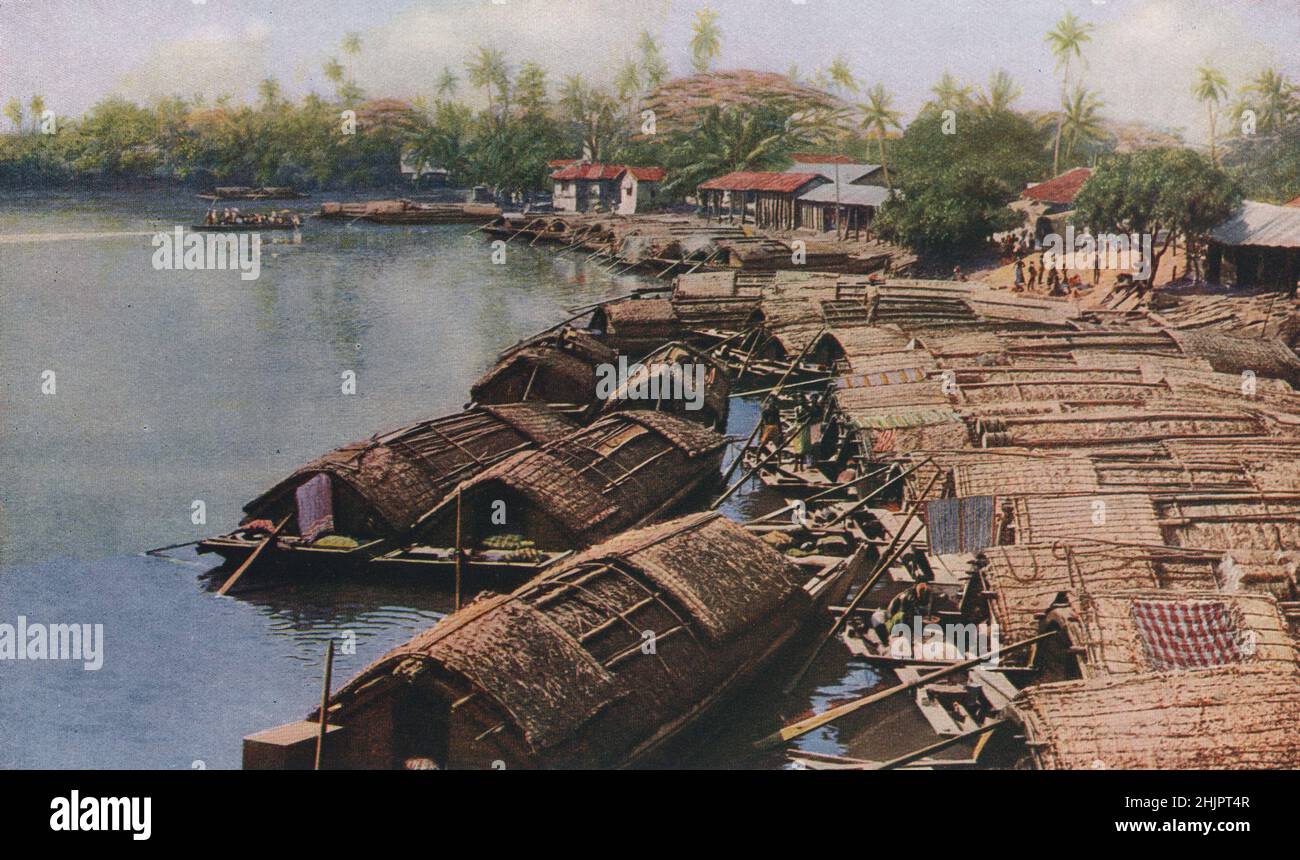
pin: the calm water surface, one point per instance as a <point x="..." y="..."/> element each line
<point x="174" y="387"/>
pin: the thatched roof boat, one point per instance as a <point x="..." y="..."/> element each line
<point x="624" y="470"/>
<point x="374" y="491"/>
<point x="1231" y="717"/>
<point x="676" y="378"/>
<point x="403" y="211"/>
<point x="601" y="661"/>
<point x="559" y="368"/>
<point x="636" y="326"/>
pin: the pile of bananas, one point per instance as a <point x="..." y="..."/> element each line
<point x="506" y="542"/>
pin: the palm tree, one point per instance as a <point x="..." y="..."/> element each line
<point x="333" y="70"/>
<point x="628" y="81"/>
<point x="878" y="116"/>
<point x="654" y="69"/>
<point x="446" y="83"/>
<point x="951" y="93"/>
<point x="842" y="76"/>
<point x="735" y="137"/>
<point x="1066" y="42"/>
<point x="1274" y="100"/>
<point x="706" y="44"/>
<point x="1082" y="119"/>
<point x="1210" y="89"/>
<point x="1002" y="91"/>
<point x="530" y="89"/>
<point x="14" y="110"/>
<point x="352" y="47"/>
<point x="38" y="108"/>
<point x="487" y="69"/>
<point x="268" y="90"/>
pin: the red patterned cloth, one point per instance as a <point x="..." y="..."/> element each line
<point x="1194" y="634"/>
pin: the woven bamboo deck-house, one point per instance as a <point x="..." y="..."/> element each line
<point x="367" y="495"/>
<point x="624" y="470"/>
<point x="557" y="368"/>
<point x="599" y="662"/>
<point x="1231" y="717"/>
<point x="676" y="378"/>
<point x="636" y="326"/>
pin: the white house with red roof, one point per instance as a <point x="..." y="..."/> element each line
<point x="585" y="186"/>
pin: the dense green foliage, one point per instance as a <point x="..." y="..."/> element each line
<point x="956" y="174"/>
<point x="1154" y="191"/>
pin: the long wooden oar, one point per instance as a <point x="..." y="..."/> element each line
<point x="802" y="727"/>
<point x="252" y="556"/>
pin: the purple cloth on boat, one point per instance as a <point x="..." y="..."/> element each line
<point x="315" y="507"/>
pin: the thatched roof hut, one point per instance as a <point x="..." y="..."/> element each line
<point x="383" y="485"/>
<point x="1232" y="717"/>
<point x="636" y="326"/>
<point x="559" y="368"/>
<point x="623" y="470"/>
<point x="676" y="378"/>
<point x="562" y="673"/>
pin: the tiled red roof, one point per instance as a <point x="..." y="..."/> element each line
<point x="744" y="180"/>
<point x="819" y="158"/>
<point x="1295" y="203"/>
<point x="583" y="170"/>
<point x="1059" y="189"/>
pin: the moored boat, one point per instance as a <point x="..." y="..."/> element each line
<point x="344" y="508"/>
<point x="246" y="192"/>
<point x="602" y="661"/>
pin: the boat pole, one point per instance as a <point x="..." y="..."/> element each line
<point x="752" y="433"/>
<point x="886" y="559"/>
<point x="457" y="597"/>
<point x="324" y="703"/>
<point x="761" y="463"/>
<point x="829" y="491"/>
<point x="252" y="557"/>
<point x="802" y="727"/>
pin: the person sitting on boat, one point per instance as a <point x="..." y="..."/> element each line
<point x="916" y="599"/>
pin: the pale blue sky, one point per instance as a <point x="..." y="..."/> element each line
<point x="1142" y="57"/>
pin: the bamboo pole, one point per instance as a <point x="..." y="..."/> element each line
<point x="734" y="463"/>
<point x="887" y="558"/>
<point x="252" y="557"/>
<point x="762" y="462"/>
<point x="324" y="703"/>
<point x="802" y="727"/>
<point x="457" y="597"/>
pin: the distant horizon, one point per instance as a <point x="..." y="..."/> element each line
<point x="74" y="53"/>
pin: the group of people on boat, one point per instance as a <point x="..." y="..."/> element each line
<point x="231" y="215"/>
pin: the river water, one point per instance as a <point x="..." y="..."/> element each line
<point x="130" y="394"/>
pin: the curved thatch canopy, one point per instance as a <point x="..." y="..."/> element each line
<point x="558" y="367"/>
<point x="557" y="671"/>
<point x="384" y="484"/>
<point x="655" y="373"/>
<point x="621" y="470"/>
<point x="635" y="325"/>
